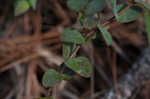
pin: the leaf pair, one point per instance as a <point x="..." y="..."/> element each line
<point x="80" y="65"/>
<point x="71" y="37"/>
<point x="21" y="6"/>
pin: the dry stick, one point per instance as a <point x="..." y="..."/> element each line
<point x="89" y="50"/>
<point x="29" y="80"/>
<point x="28" y="38"/>
<point x="114" y="71"/>
<point x="27" y="25"/>
<point x="139" y="74"/>
<point x="36" y="21"/>
<point x="92" y="79"/>
<point x="8" y="59"/>
<point x="27" y="58"/>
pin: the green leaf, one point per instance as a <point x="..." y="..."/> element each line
<point x="68" y="49"/>
<point x="90" y="21"/>
<point x="80" y="65"/>
<point x="121" y="7"/>
<point x="21" y="7"/>
<point x="80" y="17"/>
<point x="77" y="4"/>
<point x="106" y="35"/>
<point x="130" y="14"/>
<point x="146" y="5"/>
<point x="51" y="77"/>
<point x="72" y="36"/>
<point x="115" y="10"/>
<point x="95" y="6"/>
<point x="147" y="23"/>
<point x="33" y="3"/>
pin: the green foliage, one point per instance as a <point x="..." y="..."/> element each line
<point x="130" y="14"/>
<point x="72" y="36"/>
<point x="51" y="77"/>
<point x="80" y="65"/>
<point x="21" y="7"/>
<point x="77" y="4"/>
<point x="106" y="35"/>
<point x="94" y="6"/>
<point x="147" y="23"/>
<point x="88" y="19"/>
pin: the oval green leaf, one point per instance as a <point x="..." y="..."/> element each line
<point x="95" y="6"/>
<point x="72" y="36"/>
<point x="106" y="35"/>
<point x="77" y="4"/>
<point x="51" y="77"/>
<point x="130" y="14"/>
<point x="80" y="65"/>
<point x="115" y="10"/>
<point x="21" y="7"/>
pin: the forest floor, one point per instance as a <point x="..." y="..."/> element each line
<point x="24" y="39"/>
